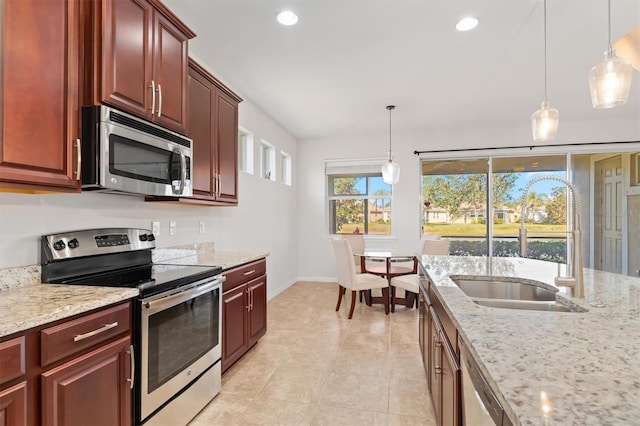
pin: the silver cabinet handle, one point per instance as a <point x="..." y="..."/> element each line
<point x="94" y="332"/>
<point x="159" y="100"/>
<point x="153" y="96"/>
<point x="251" y="298"/>
<point x="218" y="185"/>
<point x="249" y="272"/>
<point x="79" y="160"/>
<point x="248" y="300"/>
<point x="133" y="367"/>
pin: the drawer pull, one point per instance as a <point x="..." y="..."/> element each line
<point x="94" y="332"/>
<point x="249" y="272"/>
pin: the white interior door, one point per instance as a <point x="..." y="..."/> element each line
<point x="609" y="215"/>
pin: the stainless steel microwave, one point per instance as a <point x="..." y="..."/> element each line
<point x="125" y="154"/>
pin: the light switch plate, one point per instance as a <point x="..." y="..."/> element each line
<point x="155" y="228"/>
<point x="172" y="228"/>
<point x="201" y="227"/>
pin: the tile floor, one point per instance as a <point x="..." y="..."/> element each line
<point x="316" y="367"/>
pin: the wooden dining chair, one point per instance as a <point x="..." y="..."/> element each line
<point x="348" y="279"/>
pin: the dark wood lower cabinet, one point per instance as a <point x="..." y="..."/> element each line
<point x="244" y="310"/>
<point x="441" y="361"/>
<point x="13" y="405"/>
<point x="46" y="380"/>
<point x="234" y="325"/>
<point x="89" y="390"/>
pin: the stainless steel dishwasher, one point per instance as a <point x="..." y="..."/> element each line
<point x="480" y="407"/>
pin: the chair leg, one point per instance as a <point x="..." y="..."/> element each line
<point x="367" y="297"/>
<point x="385" y="296"/>
<point x="393" y="299"/>
<point x="340" y="293"/>
<point x="354" y="294"/>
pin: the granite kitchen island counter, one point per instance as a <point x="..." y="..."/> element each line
<point x="564" y="368"/>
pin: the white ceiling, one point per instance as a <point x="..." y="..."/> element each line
<point x="335" y="71"/>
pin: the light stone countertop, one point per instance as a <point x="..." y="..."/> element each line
<point x="26" y="307"/>
<point x="584" y="367"/>
<point x="225" y="259"/>
<point x="25" y="302"/>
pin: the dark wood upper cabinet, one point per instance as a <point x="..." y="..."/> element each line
<point x="138" y="60"/>
<point x="212" y="111"/>
<point x="39" y="97"/>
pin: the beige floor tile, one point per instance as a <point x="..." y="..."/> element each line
<point x="315" y="366"/>
<point x="352" y="391"/>
<point x="301" y="385"/>
<point x="332" y="415"/>
<point x="268" y="411"/>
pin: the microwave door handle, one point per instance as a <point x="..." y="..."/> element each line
<point x="183" y="167"/>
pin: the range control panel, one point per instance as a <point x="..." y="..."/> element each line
<point x="95" y="241"/>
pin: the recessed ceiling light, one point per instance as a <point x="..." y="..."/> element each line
<point x="287" y="17"/>
<point x="466" y="24"/>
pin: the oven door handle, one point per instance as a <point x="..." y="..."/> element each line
<point x="185" y="295"/>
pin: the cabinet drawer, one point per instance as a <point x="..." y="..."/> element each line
<point x="244" y="273"/>
<point x="12" y="359"/>
<point x="73" y="336"/>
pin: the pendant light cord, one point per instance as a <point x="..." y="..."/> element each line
<point x="390" y="108"/>
<point x="609" y="27"/>
<point x="545" y="51"/>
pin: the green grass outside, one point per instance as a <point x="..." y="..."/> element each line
<point x="461" y="229"/>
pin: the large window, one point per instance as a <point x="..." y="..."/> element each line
<point x="480" y="204"/>
<point x="359" y="204"/>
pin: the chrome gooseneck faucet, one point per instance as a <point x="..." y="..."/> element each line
<point x="576" y="280"/>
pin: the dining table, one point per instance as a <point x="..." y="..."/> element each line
<point x="387" y="269"/>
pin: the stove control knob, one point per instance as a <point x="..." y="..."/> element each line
<point x="59" y="245"/>
<point x="73" y="243"/>
<point x="143" y="237"/>
<point x="151" y="237"/>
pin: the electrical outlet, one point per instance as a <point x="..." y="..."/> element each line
<point x="155" y="228"/>
<point x="172" y="228"/>
<point x="201" y="227"/>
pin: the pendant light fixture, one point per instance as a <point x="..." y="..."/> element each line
<point x="391" y="170"/>
<point x="610" y="80"/>
<point x="544" y="122"/>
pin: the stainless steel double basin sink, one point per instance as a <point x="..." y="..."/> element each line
<point x="511" y="293"/>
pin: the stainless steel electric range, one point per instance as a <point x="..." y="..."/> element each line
<point x="177" y="322"/>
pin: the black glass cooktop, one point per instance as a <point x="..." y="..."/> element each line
<point x="149" y="279"/>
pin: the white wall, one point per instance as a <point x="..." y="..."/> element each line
<point x="316" y="259"/>
<point x="264" y="220"/>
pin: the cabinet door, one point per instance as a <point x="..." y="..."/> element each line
<point x="13" y="405"/>
<point x="450" y="386"/>
<point x="235" y="305"/>
<point x="201" y="107"/>
<point x="227" y="142"/>
<point x="258" y="309"/>
<point x="127" y="39"/>
<point x="39" y="98"/>
<point x="170" y="74"/>
<point x="90" y="390"/>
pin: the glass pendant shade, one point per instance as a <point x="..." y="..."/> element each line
<point x="391" y="172"/>
<point x="610" y="81"/>
<point x="544" y="122"/>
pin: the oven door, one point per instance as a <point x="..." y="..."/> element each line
<point x="180" y="339"/>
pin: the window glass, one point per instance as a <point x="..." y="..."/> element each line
<point x="359" y="204"/>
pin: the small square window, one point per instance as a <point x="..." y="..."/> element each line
<point x="285" y="168"/>
<point x="245" y="150"/>
<point x="267" y="161"/>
